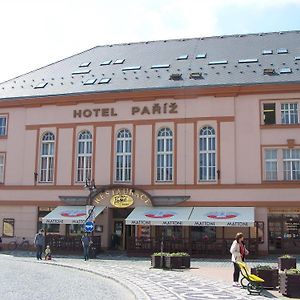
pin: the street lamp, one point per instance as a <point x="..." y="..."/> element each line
<point x="91" y="187"/>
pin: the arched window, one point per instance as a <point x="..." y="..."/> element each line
<point x="123" y="155"/>
<point x="207" y="154"/>
<point x="84" y="156"/>
<point x="47" y="157"/>
<point x="164" y="162"/>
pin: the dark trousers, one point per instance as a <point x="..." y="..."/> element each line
<point x="236" y="273"/>
<point x="86" y="250"/>
<point x="39" y="251"/>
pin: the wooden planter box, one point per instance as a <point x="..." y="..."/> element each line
<point x="286" y="263"/>
<point x="269" y="276"/>
<point x="156" y="261"/>
<point x="178" y="262"/>
<point x="289" y="285"/>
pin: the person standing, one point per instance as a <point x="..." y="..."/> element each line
<point x="39" y="242"/>
<point x="238" y="252"/>
<point x="86" y="242"/>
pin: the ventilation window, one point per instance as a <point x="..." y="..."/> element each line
<point x="84" y="65"/>
<point x="269" y="71"/>
<point x="282" y="51"/>
<point x="78" y="72"/>
<point x="163" y="66"/>
<point x="131" y="68"/>
<point x="196" y="75"/>
<point x="41" y="85"/>
<point x="104" y="80"/>
<point x="248" y="60"/>
<point x="176" y="76"/>
<point x="285" y="70"/>
<point x="119" y="61"/>
<point x="269" y="113"/>
<point x="201" y="55"/>
<point x="90" y="81"/>
<point x="182" y="57"/>
<point x="106" y="63"/>
<point x="218" y="62"/>
<point x="267" y="52"/>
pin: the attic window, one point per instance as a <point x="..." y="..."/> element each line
<point x="160" y="66"/>
<point x="78" y="72"/>
<point x="282" y="51"/>
<point x="267" y="52"/>
<point x="201" y="55"/>
<point x="196" y="75"/>
<point x="119" y="61"/>
<point x="248" y="60"/>
<point x="41" y="85"/>
<point x="285" y="70"/>
<point x="218" y="62"/>
<point x="104" y="80"/>
<point x="90" y="81"/>
<point x="106" y="63"/>
<point x="269" y="71"/>
<point x="176" y="76"/>
<point x="182" y="57"/>
<point x="84" y="65"/>
<point x="131" y="68"/>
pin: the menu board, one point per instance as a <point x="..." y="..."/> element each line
<point x="8" y="227"/>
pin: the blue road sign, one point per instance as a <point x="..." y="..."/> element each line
<point x="89" y="226"/>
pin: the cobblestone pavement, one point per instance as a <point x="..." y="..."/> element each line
<point x="154" y="284"/>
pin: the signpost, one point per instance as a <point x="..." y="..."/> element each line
<point x="89" y="226"/>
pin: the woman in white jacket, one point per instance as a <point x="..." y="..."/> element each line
<point x="238" y="252"/>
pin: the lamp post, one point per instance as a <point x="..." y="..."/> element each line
<point x="91" y="187"/>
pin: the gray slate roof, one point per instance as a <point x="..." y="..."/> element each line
<point x="59" y="78"/>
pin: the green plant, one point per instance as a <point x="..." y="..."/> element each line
<point x="178" y="254"/>
<point x="263" y="267"/>
<point x="160" y="254"/>
<point x="286" y="256"/>
<point x="293" y="272"/>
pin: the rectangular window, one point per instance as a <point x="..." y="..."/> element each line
<point x="269" y="113"/>
<point x="289" y="113"/>
<point x="2" y="167"/>
<point x="291" y="164"/>
<point x="3" y="125"/>
<point x="271" y="164"/>
<point x="8" y="227"/>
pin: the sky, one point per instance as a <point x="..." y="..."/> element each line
<point x="34" y="33"/>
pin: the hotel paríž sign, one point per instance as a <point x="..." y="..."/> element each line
<point x="154" y="109"/>
<point x="122" y="197"/>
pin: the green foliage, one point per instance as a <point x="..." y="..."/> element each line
<point x="287" y="256"/>
<point x="263" y="267"/>
<point x="293" y="272"/>
<point x="177" y="254"/>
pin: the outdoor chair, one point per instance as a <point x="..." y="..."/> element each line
<point x="250" y="281"/>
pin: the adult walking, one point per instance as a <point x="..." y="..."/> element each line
<point x="238" y="252"/>
<point x="39" y="242"/>
<point x="86" y="242"/>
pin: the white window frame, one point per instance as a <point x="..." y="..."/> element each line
<point x="46" y="175"/>
<point x="289" y="113"/>
<point x="2" y="167"/>
<point x="3" y="127"/>
<point x="84" y="156"/>
<point x="271" y="164"/>
<point x="123" y="163"/>
<point x="291" y="165"/>
<point x="164" y="155"/>
<point x="208" y="170"/>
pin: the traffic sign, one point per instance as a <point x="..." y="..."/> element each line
<point x="89" y="226"/>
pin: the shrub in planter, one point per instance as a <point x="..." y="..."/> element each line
<point x="268" y="274"/>
<point x="158" y="259"/>
<point x="178" y="260"/>
<point x="286" y="262"/>
<point x="289" y="283"/>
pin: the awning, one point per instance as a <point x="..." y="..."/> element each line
<point x="69" y="215"/>
<point x="173" y="216"/>
<point x="222" y="216"/>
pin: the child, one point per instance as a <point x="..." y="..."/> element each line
<point x="48" y="253"/>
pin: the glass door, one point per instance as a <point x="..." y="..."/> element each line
<point x="275" y="234"/>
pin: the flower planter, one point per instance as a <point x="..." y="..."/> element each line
<point x="157" y="261"/>
<point x="270" y="276"/>
<point x="289" y="284"/>
<point x="286" y="263"/>
<point x="178" y="262"/>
